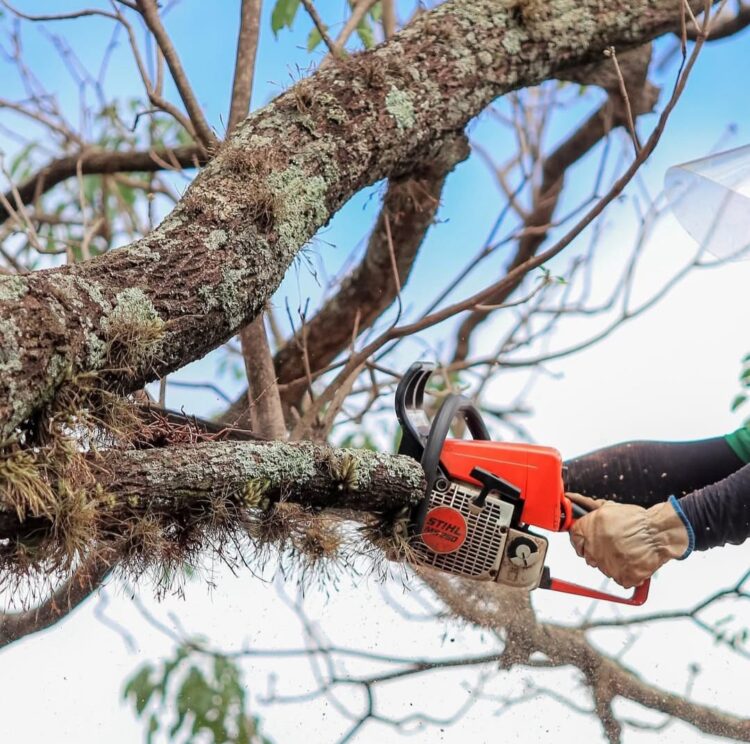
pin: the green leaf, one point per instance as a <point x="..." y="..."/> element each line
<point x="366" y="34"/>
<point x="205" y="706"/>
<point x="313" y="39"/>
<point x="153" y="727"/>
<point x="739" y="399"/>
<point x="376" y="12"/>
<point x="141" y="688"/>
<point x="20" y="166"/>
<point x="283" y="14"/>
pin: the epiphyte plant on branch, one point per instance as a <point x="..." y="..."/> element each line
<point x="143" y="231"/>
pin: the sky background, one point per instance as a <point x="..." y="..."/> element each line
<point x="670" y="374"/>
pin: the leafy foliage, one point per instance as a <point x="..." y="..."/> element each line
<point x="741" y="398"/>
<point x="285" y="11"/>
<point x="207" y="700"/>
<point x="283" y="15"/>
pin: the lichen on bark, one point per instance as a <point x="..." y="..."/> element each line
<point x="288" y="168"/>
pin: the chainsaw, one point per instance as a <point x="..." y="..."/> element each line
<point x="483" y="496"/>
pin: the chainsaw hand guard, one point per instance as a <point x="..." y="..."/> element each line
<point x="482" y="497"/>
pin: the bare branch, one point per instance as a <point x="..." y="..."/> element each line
<point x="97" y="162"/>
<point x="334" y="49"/>
<point x="244" y="66"/>
<point x="73" y="592"/>
<point x="266" y="413"/>
<point x="150" y="13"/>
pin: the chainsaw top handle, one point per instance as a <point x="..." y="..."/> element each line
<point x="423" y="440"/>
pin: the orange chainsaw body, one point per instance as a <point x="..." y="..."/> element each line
<point x="482" y="497"/>
<point x="536" y="471"/>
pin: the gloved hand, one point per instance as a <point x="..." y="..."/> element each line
<point x="626" y="542"/>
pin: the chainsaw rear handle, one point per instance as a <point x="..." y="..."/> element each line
<point x="640" y="593"/>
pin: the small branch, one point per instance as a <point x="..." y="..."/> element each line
<point x="150" y="13"/>
<point x="98" y="162"/>
<point x="244" y="66"/>
<point x="626" y="99"/>
<point x="389" y="18"/>
<point x="72" y="593"/>
<point x="355" y="18"/>
<point x="335" y="50"/>
<point x="539" y="220"/>
<point x="266" y="413"/>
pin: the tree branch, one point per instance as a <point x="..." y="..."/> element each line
<point x="244" y="66"/>
<point x="98" y="162"/>
<point x="538" y="223"/>
<point x="150" y="12"/>
<point x="86" y="579"/>
<point x="176" y="482"/>
<point x="216" y="259"/>
<point x="410" y="206"/>
<point x="266" y="413"/>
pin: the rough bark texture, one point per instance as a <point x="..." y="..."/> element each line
<point x="171" y="480"/>
<point x="217" y="258"/>
<point x="410" y="206"/>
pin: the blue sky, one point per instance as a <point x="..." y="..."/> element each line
<point x="670" y="374"/>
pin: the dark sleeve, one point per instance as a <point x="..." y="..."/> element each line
<point x="720" y="512"/>
<point x="647" y="473"/>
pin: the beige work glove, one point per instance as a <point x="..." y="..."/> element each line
<point x="627" y="542"/>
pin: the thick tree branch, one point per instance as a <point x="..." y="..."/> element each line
<point x="172" y="481"/>
<point x="216" y="259"/>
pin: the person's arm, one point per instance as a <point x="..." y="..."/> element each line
<point x="629" y="540"/>
<point x="720" y="512"/>
<point x="648" y="473"/>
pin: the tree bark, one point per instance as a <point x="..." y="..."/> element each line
<point x="213" y="263"/>
<point x="172" y="481"/>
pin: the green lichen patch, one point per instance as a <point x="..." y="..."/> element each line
<point x="96" y="351"/>
<point x="299" y="201"/>
<point x="9" y="350"/>
<point x="216" y="239"/>
<point x="145" y="251"/>
<point x="133" y="329"/>
<point x="400" y="468"/>
<point x="228" y="295"/>
<point x="12" y="288"/>
<point x="399" y="105"/>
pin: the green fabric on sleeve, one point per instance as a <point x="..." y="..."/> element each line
<point x="739" y="441"/>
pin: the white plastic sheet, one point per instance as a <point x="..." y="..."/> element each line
<point x="711" y="199"/>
